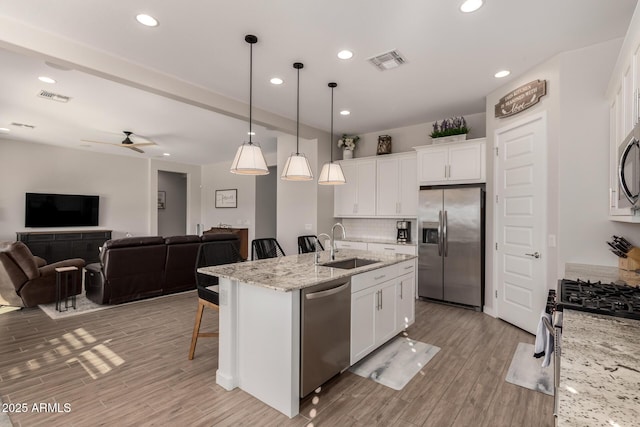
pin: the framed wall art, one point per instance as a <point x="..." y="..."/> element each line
<point x="227" y="198"/>
<point x="162" y="199"/>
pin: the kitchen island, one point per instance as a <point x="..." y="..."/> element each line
<point x="599" y="370"/>
<point x="259" y="317"/>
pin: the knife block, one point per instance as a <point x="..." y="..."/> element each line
<point x="632" y="261"/>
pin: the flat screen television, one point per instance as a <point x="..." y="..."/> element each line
<point x="60" y="210"/>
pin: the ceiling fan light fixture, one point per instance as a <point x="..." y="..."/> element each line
<point x="297" y="167"/>
<point x="331" y="173"/>
<point x="249" y="159"/>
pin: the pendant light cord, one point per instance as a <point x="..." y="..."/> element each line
<point x="298" y="116"/>
<point x="331" y="135"/>
<point x="250" y="88"/>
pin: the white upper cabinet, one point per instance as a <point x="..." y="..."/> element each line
<point x="624" y="114"/>
<point x="397" y="186"/>
<point x="357" y="197"/>
<point x="452" y="163"/>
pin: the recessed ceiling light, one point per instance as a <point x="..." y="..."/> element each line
<point x="166" y="154"/>
<point x="345" y="112"/>
<point x="147" y="20"/>
<point x="345" y="54"/>
<point x="5" y="130"/>
<point x="471" y="5"/>
<point x="46" y="79"/>
<point x="276" y="81"/>
<point x="501" y="74"/>
<point x="251" y="133"/>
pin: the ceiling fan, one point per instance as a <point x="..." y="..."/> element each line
<point x="128" y="143"/>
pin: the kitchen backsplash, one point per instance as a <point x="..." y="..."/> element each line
<point x="374" y="228"/>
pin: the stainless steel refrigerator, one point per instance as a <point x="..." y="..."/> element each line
<point x="451" y="253"/>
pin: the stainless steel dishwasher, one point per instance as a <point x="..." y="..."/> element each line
<point x="325" y="332"/>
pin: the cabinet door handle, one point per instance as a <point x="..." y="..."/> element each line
<point x="445" y="171"/>
<point x="409" y="267"/>
<point x="379" y="277"/>
<point x="389" y="249"/>
<point x="380" y="298"/>
<point x="401" y="287"/>
<point x="449" y="171"/>
<point x="377" y="300"/>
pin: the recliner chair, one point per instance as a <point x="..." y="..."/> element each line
<point x="34" y="280"/>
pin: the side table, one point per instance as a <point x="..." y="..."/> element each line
<point x="65" y="281"/>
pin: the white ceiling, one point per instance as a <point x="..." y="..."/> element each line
<point x="451" y="59"/>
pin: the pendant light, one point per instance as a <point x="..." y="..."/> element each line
<point x="249" y="159"/>
<point x="331" y="173"/>
<point x="297" y="167"/>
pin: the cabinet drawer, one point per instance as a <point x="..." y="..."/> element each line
<point x="406" y="267"/>
<point x="372" y="278"/>
<point x="345" y="244"/>
<point x="390" y="248"/>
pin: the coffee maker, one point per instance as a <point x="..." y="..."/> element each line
<point x="404" y="231"/>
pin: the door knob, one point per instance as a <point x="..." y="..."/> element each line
<point x="535" y="254"/>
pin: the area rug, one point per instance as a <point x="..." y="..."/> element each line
<point x="85" y="305"/>
<point x="394" y="364"/>
<point x="527" y="371"/>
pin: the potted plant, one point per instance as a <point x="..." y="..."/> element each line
<point x="348" y="144"/>
<point x="449" y="130"/>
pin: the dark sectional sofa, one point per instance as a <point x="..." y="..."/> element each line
<point x="141" y="267"/>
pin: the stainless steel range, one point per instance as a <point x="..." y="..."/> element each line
<point x="601" y="298"/>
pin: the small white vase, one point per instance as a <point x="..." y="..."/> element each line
<point x="347" y="154"/>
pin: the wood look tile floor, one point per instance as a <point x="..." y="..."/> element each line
<point x="128" y="366"/>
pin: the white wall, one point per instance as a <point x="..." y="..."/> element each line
<point x="551" y="104"/>
<point x="216" y="176"/>
<point x="578" y="159"/>
<point x="404" y="138"/>
<point x="584" y="186"/>
<point x="267" y="204"/>
<point x="121" y="182"/>
<point x="297" y="200"/>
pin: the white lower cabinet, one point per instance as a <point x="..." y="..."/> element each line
<point x="381" y="310"/>
<point x="406" y="300"/>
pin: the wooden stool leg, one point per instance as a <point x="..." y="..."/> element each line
<point x="196" y="329"/>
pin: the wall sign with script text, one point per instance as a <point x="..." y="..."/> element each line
<point x="521" y="98"/>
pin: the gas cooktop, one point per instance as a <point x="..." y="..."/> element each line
<point x="601" y="298"/>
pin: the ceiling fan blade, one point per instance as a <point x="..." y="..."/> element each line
<point x="100" y="142"/>
<point x="140" y="144"/>
<point x="130" y="147"/>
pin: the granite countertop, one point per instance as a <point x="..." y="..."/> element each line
<point x="383" y="241"/>
<point x="293" y="272"/>
<point x="599" y="370"/>
<point x="604" y="274"/>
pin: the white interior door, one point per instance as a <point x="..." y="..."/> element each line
<point x="520" y="221"/>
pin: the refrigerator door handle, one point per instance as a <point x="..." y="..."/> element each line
<point x="445" y="238"/>
<point x="440" y="233"/>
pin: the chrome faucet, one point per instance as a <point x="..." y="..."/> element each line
<point x="333" y="239"/>
<point x="317" y="255"/>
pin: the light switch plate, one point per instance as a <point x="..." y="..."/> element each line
<point x="551" y="240"/>
<point x="307" y="226"/>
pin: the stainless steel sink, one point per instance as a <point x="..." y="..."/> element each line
<point x="350" y="263"/>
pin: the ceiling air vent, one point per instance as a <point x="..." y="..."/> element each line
<point x="53" y="96"/>
<point x="388" y="60"/>
<point x="23" y="125"/>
